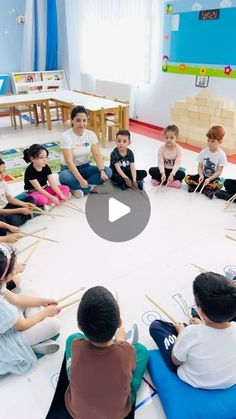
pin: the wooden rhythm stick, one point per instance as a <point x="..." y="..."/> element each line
<point x="70" y="295"/>
<point x="230" y="237"/>
<point x="38" y="237"/>
<point x="202" y="270"/>
<point x="69" y="303"/>
<point x="203" y="186"/>
<point x="230" y="201"/>
<point x="36" y="244"/>
<point x="72" y="206"/>
<point x="35" y="231"/>
<point x="27" y="247"/>
<point x="162" y="309"/>
<point x="159" y="187"/>
<point x="184" y="306"/>
<point x="37" y="209"/>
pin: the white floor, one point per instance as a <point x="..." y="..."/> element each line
<point x="181" y="231"/>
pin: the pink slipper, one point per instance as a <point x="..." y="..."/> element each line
<point x="175" y="184"/>
<point x="155" y="182"/>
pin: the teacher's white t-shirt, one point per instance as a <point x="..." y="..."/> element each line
<point x="79" y="145"/>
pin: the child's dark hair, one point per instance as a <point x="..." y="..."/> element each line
<point x="216" y="132"/>
<point x="216" y="296"/>
<point x="33" y="151"/>
<point x="2" y="162"/>
<point x="98" y="315"/>
<point x="123" y="132"/>
<point x="4" y="262"/>
<point x="172" y="128"/>
<point x="78" y="109"/>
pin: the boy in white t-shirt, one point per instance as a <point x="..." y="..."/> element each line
<point x="211" y="161"/>
<point x="204" y="353"/>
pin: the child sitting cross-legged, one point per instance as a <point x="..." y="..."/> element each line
<point x="203" y="353"/>
<point x="104" y="373"/>
<point x="39" y="182"/>
<point x="211" y="161"/>
<point x="124" y="173"/>
<point x="169" y="159"/>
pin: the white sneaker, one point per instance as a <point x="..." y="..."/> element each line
<point x="132" y="335"/>
<point x="77" y="193"/>
<point x="47" y="347"/>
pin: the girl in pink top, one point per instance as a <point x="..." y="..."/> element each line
<point x="169" y="159"/>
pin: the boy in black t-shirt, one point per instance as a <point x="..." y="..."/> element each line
<point x="122" y="164"/>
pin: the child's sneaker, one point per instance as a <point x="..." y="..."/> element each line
<point x="140" y="184"/>
<point x="175" y="184"/>
<point x="47" y="347"/>
<point x="77" y="193"/>
<point x="208" y="192"/>
<point x="223" y="195"/>
<point x="132" y="335"/>
<point x="155" y="182"/>
<point x="191" y="188"/>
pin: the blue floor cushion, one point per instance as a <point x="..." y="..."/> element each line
<point x="181" y="401"/>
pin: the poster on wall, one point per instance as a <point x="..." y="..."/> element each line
<point x="199" y="38"/>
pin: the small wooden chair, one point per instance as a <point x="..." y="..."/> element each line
<point x="111" y="121"/>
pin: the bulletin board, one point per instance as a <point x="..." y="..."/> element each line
<point x="199" y="38"/>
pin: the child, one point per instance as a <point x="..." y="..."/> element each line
<point x="230" y="190"/>
<point x="169" y="159"/>
<point x="37" y="176"/>
<point x="104" y="374"/>
<point x="4" y="227"/>
<point x="203" y="353"/>
<point x="13" y="211"/>
<point x="122" y="164"/>
<point x="211" y="161"/>
<point x="21" y="334"/>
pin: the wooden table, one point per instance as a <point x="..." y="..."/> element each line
<point x="33" y="99"/>
<point x="93" y="104"/>
<point x="68" y="99"/>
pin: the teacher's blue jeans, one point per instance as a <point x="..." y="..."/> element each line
<point x="87" y="171"/>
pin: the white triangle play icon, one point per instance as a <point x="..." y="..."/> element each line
<point x="117" y="210"/>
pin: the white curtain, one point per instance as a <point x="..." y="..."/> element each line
<point x="115" y="39"/>
<point x="34" y="47"/>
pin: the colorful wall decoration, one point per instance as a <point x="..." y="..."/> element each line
<point x="199" y="38"/>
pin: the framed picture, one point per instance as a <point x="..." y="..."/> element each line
<point x="202" y="81"/>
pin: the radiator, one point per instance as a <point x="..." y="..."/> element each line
<point x="118" y="91"/>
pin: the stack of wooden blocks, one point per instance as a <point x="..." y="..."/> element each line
<point x="195" y="115"/>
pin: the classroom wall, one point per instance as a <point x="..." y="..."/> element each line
<point x="11" y="36"/>
<point x="153" y="102"/>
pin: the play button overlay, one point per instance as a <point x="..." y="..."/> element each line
<point x="117" y="210"/>
<point x="117" y="215"/>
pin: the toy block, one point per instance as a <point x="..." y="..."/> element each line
<point x="190" y="99"/>
<point x="205" y="94"/>
<point x="218" y="112"/>
<point x="216" y="120"/>
<point x="181" y="105"/>
<point x="228" y="113"/>
<point x="213" y="104"/>
<point x="203" y="124"/>
<point x="201" y="101"/>
<point x="203" y="109"/>
<point x="204" y="117"/>
<point x="183" y="126"/>
<point x="193" y="108"/>
<point x="228" y="122"/>
<point x="196" y="142"/>
<point x="193" y="115"/>
<point x="230" y="130"/>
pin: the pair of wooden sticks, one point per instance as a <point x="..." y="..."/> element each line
<point x="230" y="201"/>
<point x="70" y="303"/>
<point x="72" y="206"/>
<point x="32" y="234"/>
